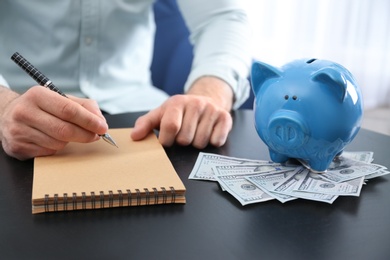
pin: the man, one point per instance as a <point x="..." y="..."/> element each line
<point x="99" y="54"/>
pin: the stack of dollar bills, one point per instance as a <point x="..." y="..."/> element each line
<point x="252" y="181"/>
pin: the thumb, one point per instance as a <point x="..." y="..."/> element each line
<point x="145" y="124"/>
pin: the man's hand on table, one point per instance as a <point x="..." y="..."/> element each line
<point x="198" y="118"/>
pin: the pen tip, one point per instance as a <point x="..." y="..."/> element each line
<point x="106" y="137"/>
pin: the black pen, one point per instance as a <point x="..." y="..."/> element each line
<point x="46" y="82"/>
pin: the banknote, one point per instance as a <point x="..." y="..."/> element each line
<point x="312" y="183"/>
<point x="253" y="181"/>
<point x="367" y="157"/>
<point x="243" y="190"/>
<point x="343" y="169"/>
<point x="203" y="168"/>
<point x="378" y="173"/>
<point x="288" y="188"/>
<point x="248" y="169"/>
<point x="362" y="156"/>
<point x="268" y="181"/>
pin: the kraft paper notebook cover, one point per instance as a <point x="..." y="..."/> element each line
<point x="98" y="175"/>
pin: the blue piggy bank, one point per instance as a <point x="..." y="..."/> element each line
<point x="308" y="110"/>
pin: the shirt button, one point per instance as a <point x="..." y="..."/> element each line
<point x="88" y="40"/>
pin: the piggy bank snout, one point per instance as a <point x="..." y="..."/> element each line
<point x="287" y="129"/>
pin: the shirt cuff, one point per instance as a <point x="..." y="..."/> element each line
<point x="3" y="82"/>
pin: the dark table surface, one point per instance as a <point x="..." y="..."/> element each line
<point x="212" y="225"/>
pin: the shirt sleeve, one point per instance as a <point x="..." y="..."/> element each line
<point x="221" y="35"/>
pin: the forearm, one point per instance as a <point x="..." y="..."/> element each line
<point x="221" y="33"/>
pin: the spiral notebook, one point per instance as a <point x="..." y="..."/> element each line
<point x="98" y="175"/>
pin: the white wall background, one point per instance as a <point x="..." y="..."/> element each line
<point x="354" y="33"/>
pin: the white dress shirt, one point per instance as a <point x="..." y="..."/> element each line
<point x="103" y="49"/>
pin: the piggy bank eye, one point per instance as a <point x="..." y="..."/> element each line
<point x="295" y="97"/>
<point x="286" y="97"/>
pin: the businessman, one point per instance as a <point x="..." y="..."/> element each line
<point x="99" y="53"/>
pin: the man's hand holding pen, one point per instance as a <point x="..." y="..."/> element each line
<point x="41" y="122"/>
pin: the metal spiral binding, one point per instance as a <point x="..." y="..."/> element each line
<point x="123" y="199"/>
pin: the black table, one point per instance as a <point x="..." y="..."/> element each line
<point x="212" y="225"/>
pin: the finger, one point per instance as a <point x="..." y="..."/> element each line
<point x="170" y="125"/>
<point x="64" y="131"/>
<point x="90" y="105"/>
<point x="23" y="149"/>
<point x="189" y="126"/>
<point x="22" y="146"/>
<point x="69" y="111"/>
<point x="41" y="113"/>
<point x="145" y="124"/>
<point x="39" y="138"/>
<point x="221" y="130"/>
<point x="28" y="151"/>
<point x="205" y="129"/>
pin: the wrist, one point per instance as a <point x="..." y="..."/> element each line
<point x="6" y="96"/>
<point x="216" y="89"/>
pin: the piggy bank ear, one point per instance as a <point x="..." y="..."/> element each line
<point x="334" y="79"/>
<point x="261" y="72"/>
